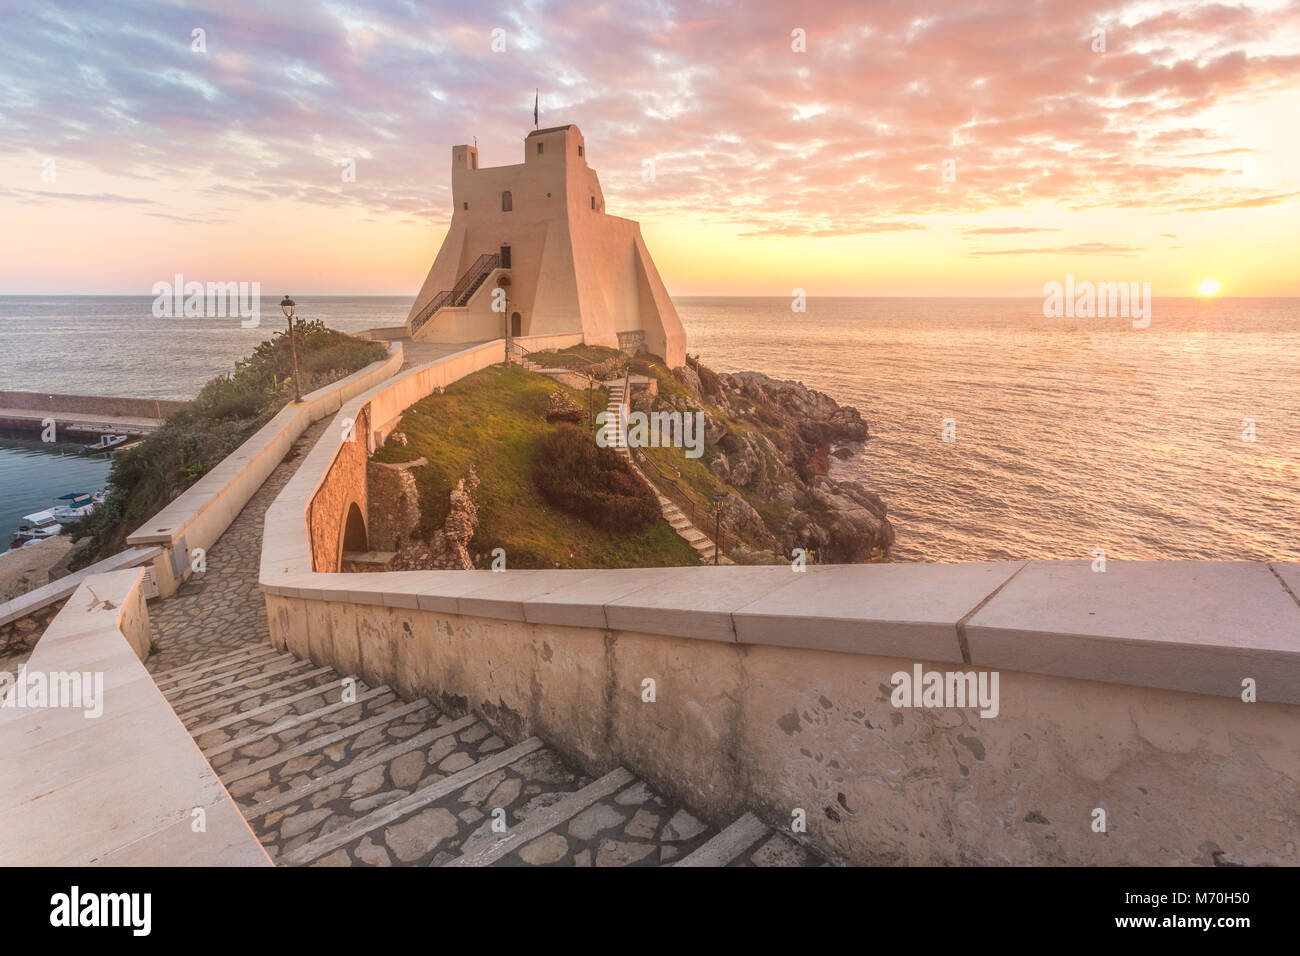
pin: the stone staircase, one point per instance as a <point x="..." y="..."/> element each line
<point x="523" y="361"/>
<point x="326" y="779"/>
<point x="673" y="514"/>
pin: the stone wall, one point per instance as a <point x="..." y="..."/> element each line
<point x="344" y="486"/>
<point x="1183" y="778"/>
<point x="91" y="404"/>
<point x="18" y="637"/>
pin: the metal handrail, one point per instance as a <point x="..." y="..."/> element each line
<point x="664" y="478"/>
<point x="460" y="293"/>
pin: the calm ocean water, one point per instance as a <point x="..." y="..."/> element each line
<point x="1071" y="434"/>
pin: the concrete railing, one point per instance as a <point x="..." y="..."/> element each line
<point x="57" y="590"/>
<point x="111" y="776"/>
<point x="199" y="516"/>
<point x="1159" y="698"/>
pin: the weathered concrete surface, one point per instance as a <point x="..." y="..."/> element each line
<point x="1183" y="778"/>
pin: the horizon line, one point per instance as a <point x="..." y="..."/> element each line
<point x="694" y="295"/>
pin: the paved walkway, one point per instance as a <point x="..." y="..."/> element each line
<point x="370" y="779"/>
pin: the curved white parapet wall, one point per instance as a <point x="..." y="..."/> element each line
<point x="125" y="786"/>
<point x="199" y="516"/>
<point x="1164" y="693"/>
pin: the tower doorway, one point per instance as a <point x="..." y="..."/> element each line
<point x="516" y="324"/>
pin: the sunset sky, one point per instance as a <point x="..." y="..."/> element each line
<point x="1168" y="158"/>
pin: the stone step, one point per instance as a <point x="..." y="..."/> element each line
<point x="194" y="668"/>
<point x="239" y="716"/>
<point x="232" y="773"/>
<point x="395" y="811"/>
<point x="226" y="673"/>
<point x="215" y="748"/>
<point x="375" y="758"/>
<point x="729" y="844"/>
<point x="545" y="819"/>
<point x="194" y="696"/>
<point x="223" y="702"/>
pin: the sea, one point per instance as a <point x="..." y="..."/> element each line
<point x="996" y="433"/>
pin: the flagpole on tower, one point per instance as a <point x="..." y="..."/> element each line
<point x="535" y="100"/>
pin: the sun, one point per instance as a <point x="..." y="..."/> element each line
<point x="1208" y="286"/>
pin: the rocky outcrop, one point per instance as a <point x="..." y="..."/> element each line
<point x="771" y="440"/>
<point x="393" y="503"/>
<point x="448" y="548"/>
<point x="561" y="408"/>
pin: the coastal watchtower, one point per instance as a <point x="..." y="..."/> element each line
<point x="539" y="231"/>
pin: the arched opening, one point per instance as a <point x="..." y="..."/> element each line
<point x="354" y="531"/>
<point x="507" y="201"/>
<point x="516" y="324"/>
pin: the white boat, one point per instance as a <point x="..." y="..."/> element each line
<point x="36" y="527"/>
<point x="72" y="506"/>
<point x="106" y="442"/>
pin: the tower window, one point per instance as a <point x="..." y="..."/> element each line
<point x="539" y="148"/>
<point x="507" y="201"/>
<point x="593" y="202"/>
<point x="467" y="205"/>
<point x="579" y="150"/>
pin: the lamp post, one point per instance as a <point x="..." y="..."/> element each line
<point x="719" y="499"/>
<point x="504" y="285"/>
<point x="287" y="306"/>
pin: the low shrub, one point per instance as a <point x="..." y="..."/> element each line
<point x="577" y="476"/>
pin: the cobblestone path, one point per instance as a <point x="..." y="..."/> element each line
<point x="371" y="779"/>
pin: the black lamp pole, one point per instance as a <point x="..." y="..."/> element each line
<point x="288" y="306"/>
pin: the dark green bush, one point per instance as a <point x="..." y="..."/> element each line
<point x="577" y="476"/>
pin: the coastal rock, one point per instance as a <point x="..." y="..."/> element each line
<point x="691" y="379"/>
<point x="772" y="441"/>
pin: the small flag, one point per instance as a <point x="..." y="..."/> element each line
<point x="534" y="109"/>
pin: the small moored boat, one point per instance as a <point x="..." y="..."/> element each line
<point x="72" y="506"/>
<point x="36" y="527"/>
<point x="106" y="442"/>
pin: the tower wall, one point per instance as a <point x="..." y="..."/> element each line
<point x="572" y="267"/>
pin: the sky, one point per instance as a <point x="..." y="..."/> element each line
<point x="980" y="147"/>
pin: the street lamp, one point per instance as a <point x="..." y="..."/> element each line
<point x="287" y="306"/>
<point x="503" y="284"/>
<point x="719" y="500"/>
